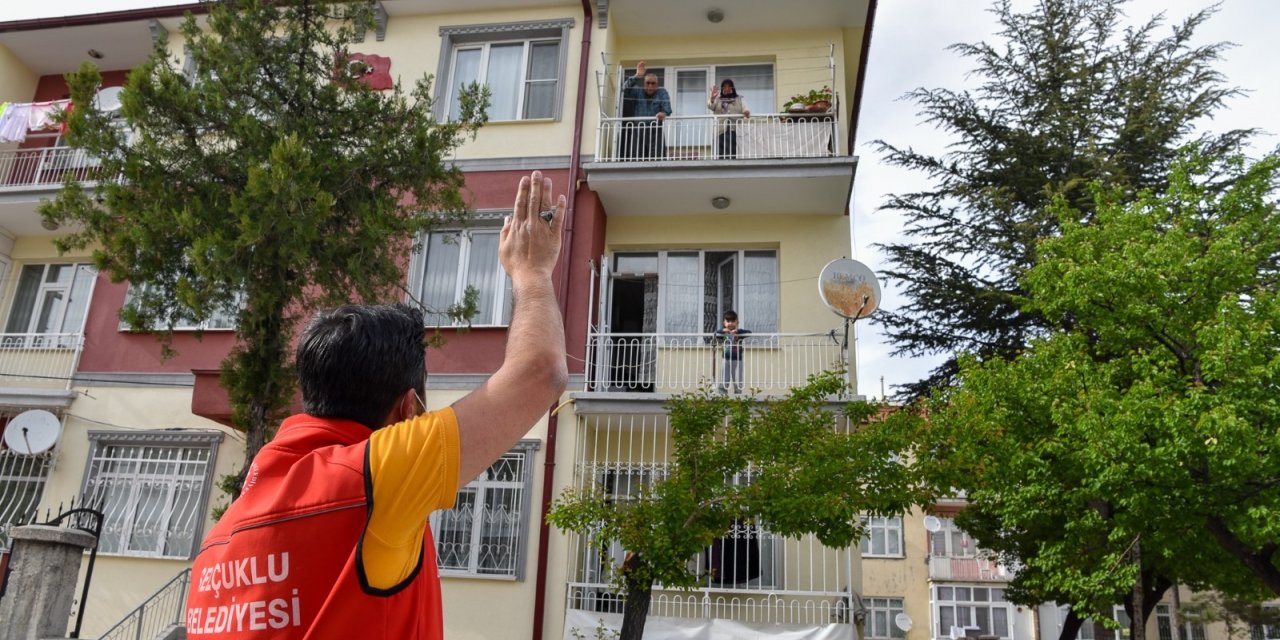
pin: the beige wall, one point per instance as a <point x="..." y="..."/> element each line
<point x="805" y="244"/>
<point x="17" y="82"/>
<point x="906" y="577"/>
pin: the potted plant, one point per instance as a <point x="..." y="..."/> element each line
<point x="814" y="100"/>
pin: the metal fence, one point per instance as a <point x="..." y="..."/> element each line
<point x="39" y="359"/>
<point x="157" y="616"/>
<point x="46" y="166"/>
<point x="718" y="137"/>
<point x="770" y="363"/>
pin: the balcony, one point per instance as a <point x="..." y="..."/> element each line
<point x="38" y="361"/>
<point x="749" y="579"/>
<point x="668" y="363"/>
<point x="967" y="569"/>
<point x="765" y="164"/>
<point x="45" y="167"/>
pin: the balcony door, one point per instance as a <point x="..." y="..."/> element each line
<point x="632" y="312"/>
<point x="690" y="99"/>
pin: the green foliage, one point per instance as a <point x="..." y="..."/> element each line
<point x="808" y="477"/>
<point x="1154" y="418"/>
<point x="1065" y="98"/>
<point x="259" y="180"/>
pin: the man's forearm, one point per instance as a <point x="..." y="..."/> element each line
<point x="535" y="339"/>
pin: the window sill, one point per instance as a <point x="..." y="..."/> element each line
<point x="444" y="573"/>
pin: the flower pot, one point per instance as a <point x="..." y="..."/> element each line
<point x="821" y="106"/>
<point x="798" y="108"/>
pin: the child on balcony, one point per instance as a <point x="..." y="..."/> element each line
<point x="731" y="337"/>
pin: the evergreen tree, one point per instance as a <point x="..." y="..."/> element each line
<point x="259" y="177"/>
<point x="1066" y="97"/>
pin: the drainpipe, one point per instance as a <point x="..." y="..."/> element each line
<point x="549" y="465"/>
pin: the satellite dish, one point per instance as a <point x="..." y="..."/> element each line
<point x="903" y="621"/>
<point x="108" y="100"/>
<point x="849" y="288"/>
<point x="32" y="432"/>
<point x="932" y="524"/>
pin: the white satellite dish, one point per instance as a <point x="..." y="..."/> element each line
<point x="849" y="288"/>
<point x="932" y="524"/>
<point x="32" y="432"/>
<point x="903" y="621"/>
<point x="108" y="100"/>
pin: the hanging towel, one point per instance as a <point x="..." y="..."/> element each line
<point x="13" y="123"/>
<point x="42" y="114"/>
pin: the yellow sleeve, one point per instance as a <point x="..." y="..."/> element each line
<point x="413" y="470"/>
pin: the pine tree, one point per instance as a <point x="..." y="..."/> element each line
<point x="259" y="177"/>
<point x="1066" y="96"/>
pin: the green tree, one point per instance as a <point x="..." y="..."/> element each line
<point x="807" y="477"/>
<point x="1152" y="424"/>
<point x="262" y="178"/>
<point x="1064" y="97"/>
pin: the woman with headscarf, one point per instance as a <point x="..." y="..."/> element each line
<point x="727" y="101"/>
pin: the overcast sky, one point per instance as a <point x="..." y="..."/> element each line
<point x="908" y="51"/>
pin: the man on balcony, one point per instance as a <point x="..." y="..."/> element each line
<point x="643" y="98"/>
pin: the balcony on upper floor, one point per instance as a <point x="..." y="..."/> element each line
<point x="670" y="363"/>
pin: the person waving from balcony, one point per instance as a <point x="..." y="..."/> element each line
<point x="727" y="101"/>
<point x="643" y="98"/>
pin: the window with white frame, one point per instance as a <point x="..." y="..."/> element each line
<point x="1086" y="631"/>
<point x="220" y="319"/>
<point x="981" y="608"/>
<point x="951" y="542"/>
<point x="883" y="537"/>
<point x="449" y="262"/>
<point x="521" y="63"/>
<point x="50" y="299"/>
<point x="486" y="532"/>
<point x="881" y="614"/>
<point x="1164" y="625"/>
<point x="152" y="487"/>
<point x="695" y="288"/>
<point x="1122" y="618"/>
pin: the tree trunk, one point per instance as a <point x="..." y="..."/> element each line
<point x="1138" y="618"/>
<point x="1259" y="561"/>
<point x="639" y="590"/>
<point x="1071" y="626"/>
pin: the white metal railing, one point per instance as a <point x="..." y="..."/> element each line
<point x="39" y="359"/>
<point x="46" y="166"/>
<point x="682" y="362"/>
<point x="22" y="480"/>
<point x="718" y="137"/>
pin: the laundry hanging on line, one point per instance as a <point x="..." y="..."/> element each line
<point x="19" y="118"/>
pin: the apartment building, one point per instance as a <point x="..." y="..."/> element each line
<point x="662" y="243"/>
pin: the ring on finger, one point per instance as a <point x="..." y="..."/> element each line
<point x="547" y="214"/>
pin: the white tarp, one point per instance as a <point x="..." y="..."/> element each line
<point x="584" y="623"/>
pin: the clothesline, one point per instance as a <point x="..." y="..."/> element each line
<point x="18" y="118"/>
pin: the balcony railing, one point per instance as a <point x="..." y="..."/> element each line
<point x="45" y="360"/>
<point x="970" y="568"/>
<point x="718" y="137"/>
<point x="45" y="166"/>
<point x="772" y="363"/>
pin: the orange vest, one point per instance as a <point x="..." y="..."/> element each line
<point x="283" y="562"/>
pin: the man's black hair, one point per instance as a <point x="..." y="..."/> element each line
<point x="731" y="315"/>
<point x="355" y="360"/>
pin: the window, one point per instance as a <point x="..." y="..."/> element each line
<point x="182" y="321"/>
<point x="1122" y="618"/>
<point x="485" y="533"/>
<point x="1265" y="630"/>
<point x="880" y="618"/>
<point x="883" y="537"/>
<point x="152" y="487"/>
<point x="1164" y="623"/>
<point x="451" y="261"/>
<point x="521" y="63"/>
<point x="694" y="289"/>
<point x="50" y="299"/>
<point x="981" y="608"/>
<point x="950" y="541"/>
<point x="22" y="481"/>
<point x="754" y="82"/>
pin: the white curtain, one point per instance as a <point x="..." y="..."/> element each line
<point x="759" y="311"/>
<point x="483" y="273"/>
<point x="683" y="293"/>
<point x="503" y="78"/>
<point x="466" y="69"/>
<point x="440" y="277"/>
